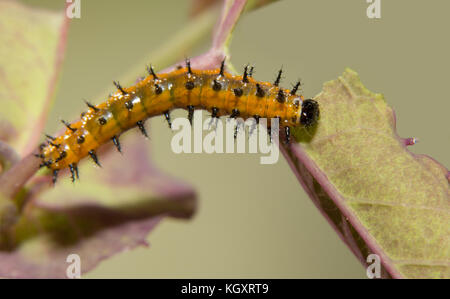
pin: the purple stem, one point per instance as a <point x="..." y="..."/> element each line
<point x="227" y="22"/>
<point x="223" y="30"/>
<point x="12" y="181"/>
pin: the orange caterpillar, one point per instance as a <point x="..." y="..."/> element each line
<point x="214" y="90"/>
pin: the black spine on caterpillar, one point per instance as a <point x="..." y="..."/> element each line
<point x="241" y="89"/>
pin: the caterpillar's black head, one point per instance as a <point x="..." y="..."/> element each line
<point x="310" y="113"/>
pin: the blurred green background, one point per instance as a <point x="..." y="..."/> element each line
<point x="255" y="220"/>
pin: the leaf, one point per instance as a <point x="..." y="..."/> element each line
<point x="379" y="197"/>
<point x="109" y="210"/>
<point x="29" y="66"/>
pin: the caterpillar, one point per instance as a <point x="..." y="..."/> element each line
<point x="216" y="91"/>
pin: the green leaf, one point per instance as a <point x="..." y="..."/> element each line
<point x="28" y="70"/>
<point x="380" y="197"/>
